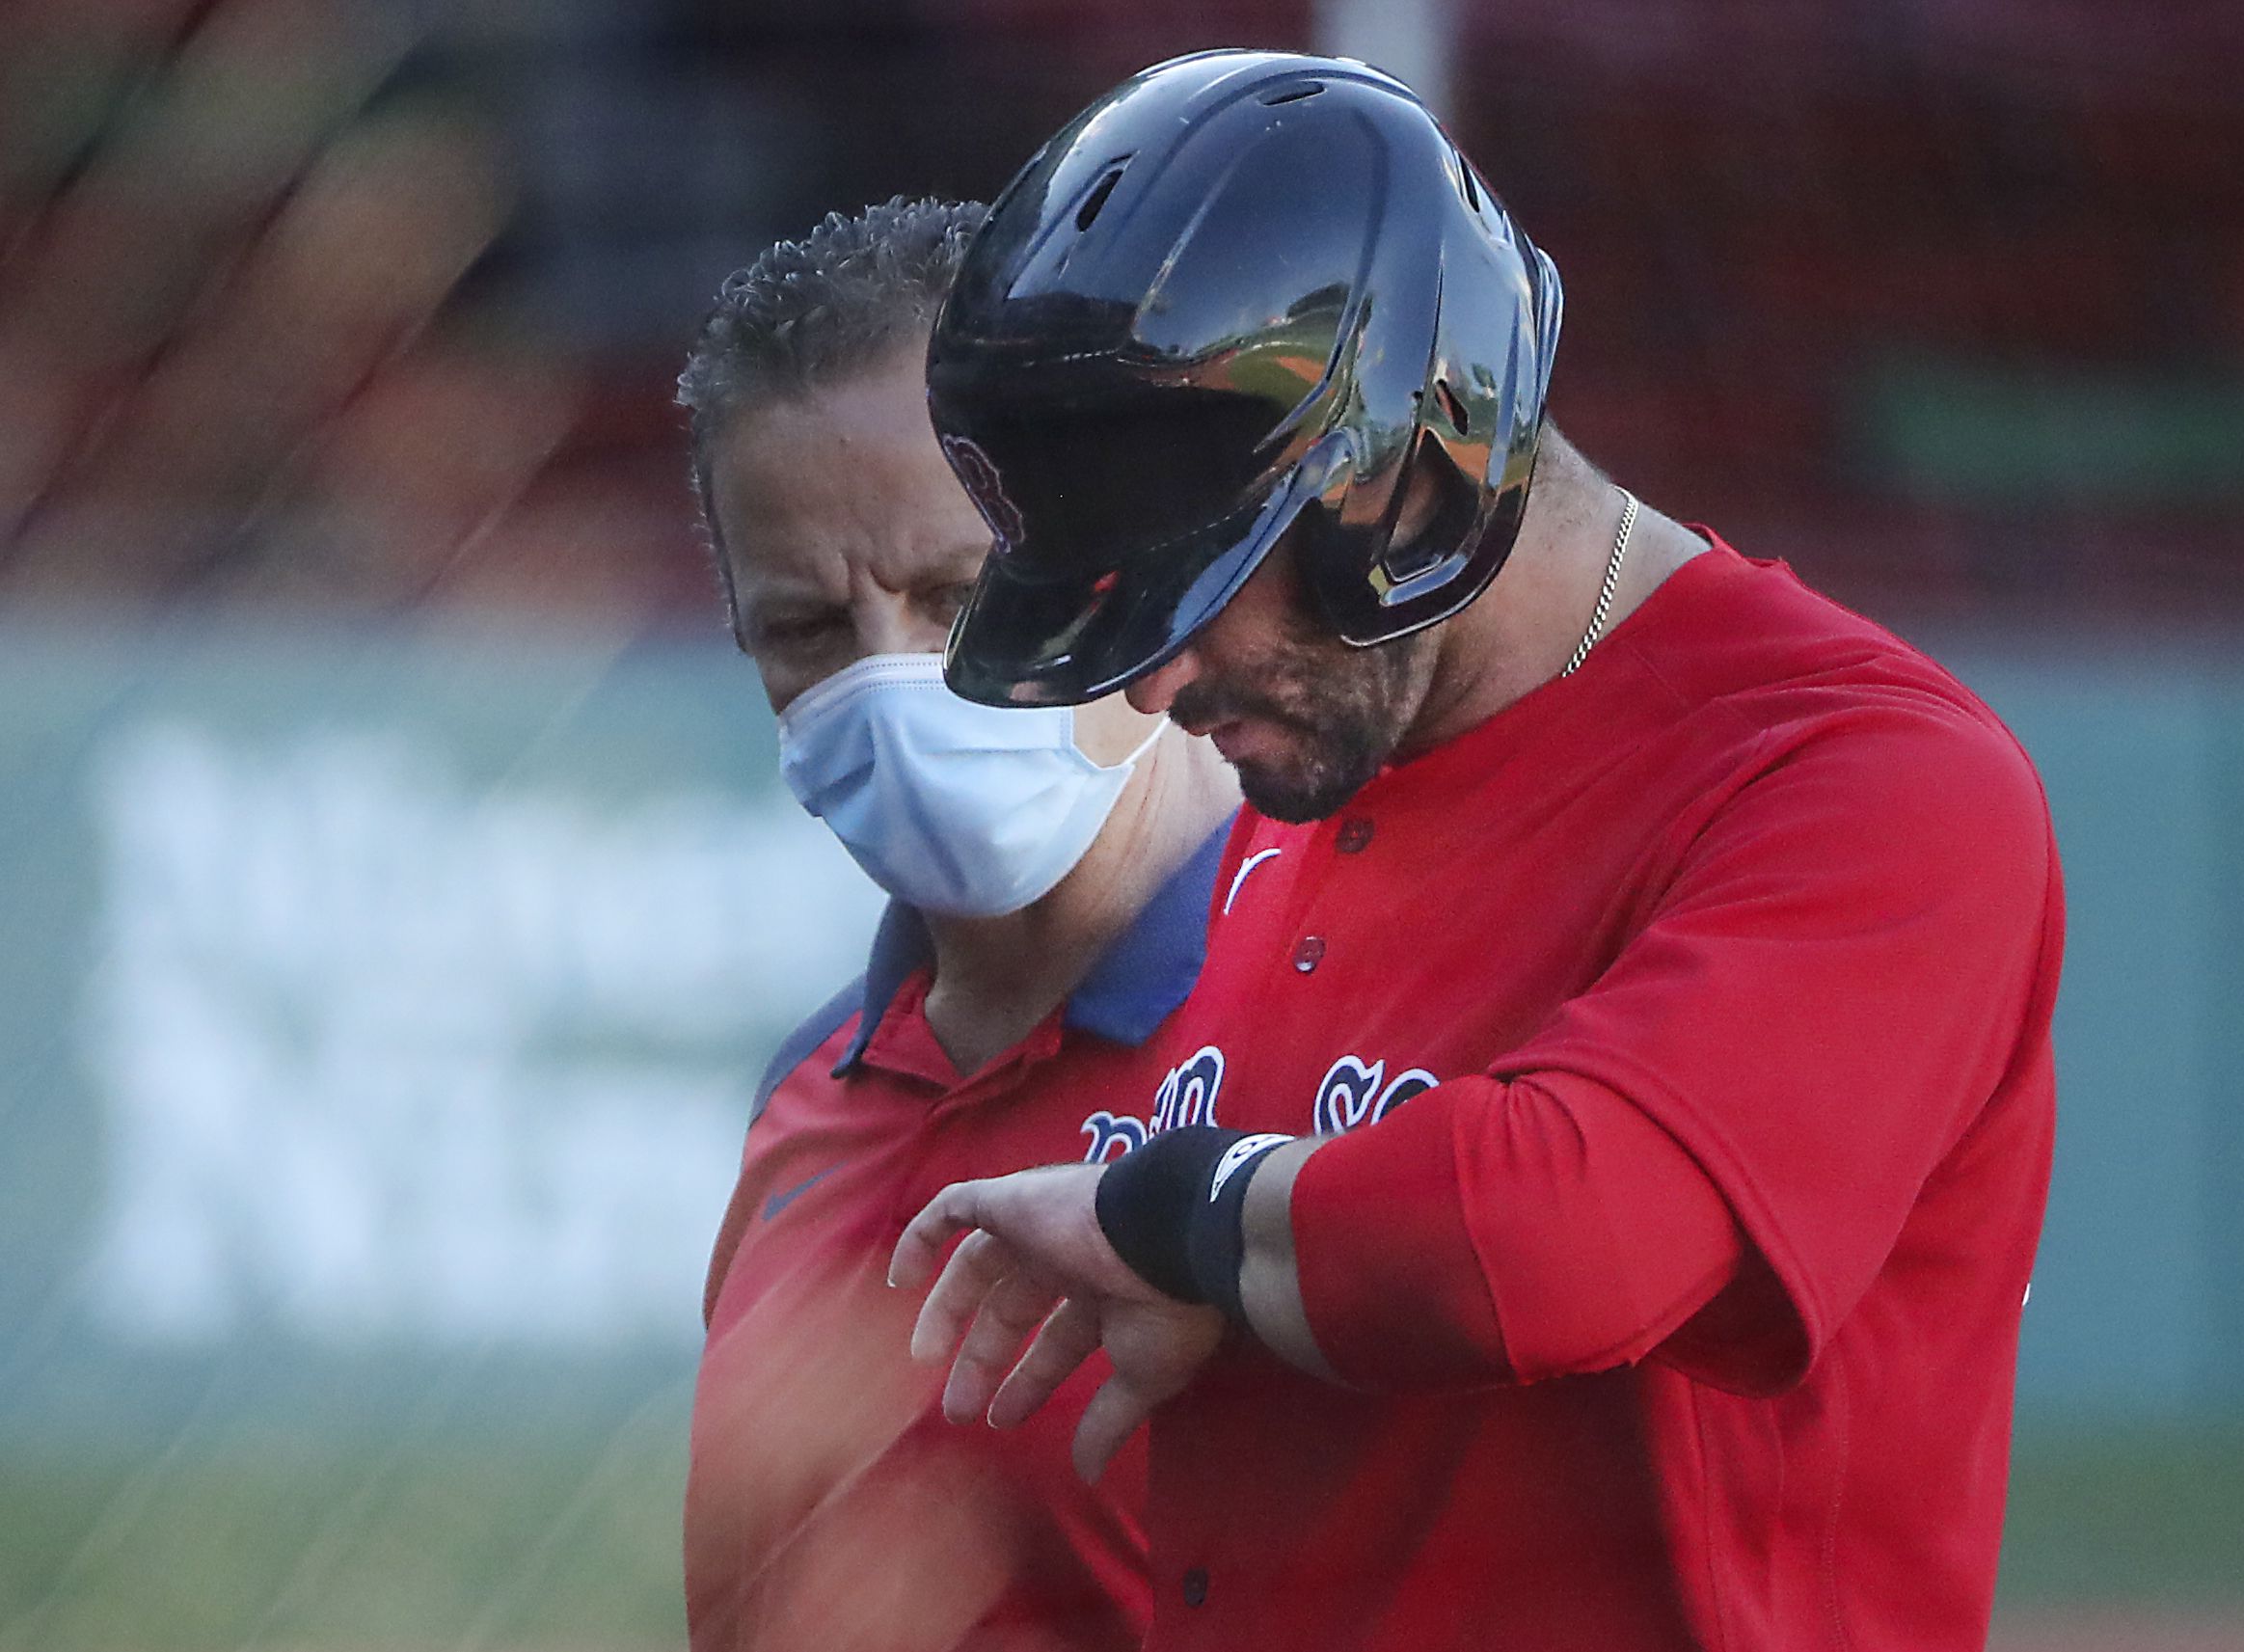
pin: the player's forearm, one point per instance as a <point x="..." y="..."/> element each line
<point x="1492" y="1232"/>
<point x="1269" y="1284"/>
<point x="1489" y="1232"/>
<point x="1162" y="1210"/>
<point x="1201" y="1214"/>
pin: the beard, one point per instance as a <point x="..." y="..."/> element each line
<point x="1343" y="710"/>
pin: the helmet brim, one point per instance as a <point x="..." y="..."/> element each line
<point x="1027" y="637"/>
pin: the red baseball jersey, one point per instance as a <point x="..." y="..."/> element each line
<point x="827" y="1502"/>
<point x="1760" y="904"/>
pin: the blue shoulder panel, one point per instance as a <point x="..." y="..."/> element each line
<point x="802" y="1042"/>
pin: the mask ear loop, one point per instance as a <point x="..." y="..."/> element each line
<point x="1160" y="727"/>
<point x="1131" y="762"/>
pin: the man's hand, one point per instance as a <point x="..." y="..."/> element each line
<point x="1034" y="1263"/>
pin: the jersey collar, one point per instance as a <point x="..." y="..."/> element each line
<point x="1148" y="970"/>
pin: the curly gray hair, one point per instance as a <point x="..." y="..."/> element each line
<point x="811" y="313"/>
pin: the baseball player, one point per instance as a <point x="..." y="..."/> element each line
<point x="1051" y="877"/>
<point x="1608" y="1146"/>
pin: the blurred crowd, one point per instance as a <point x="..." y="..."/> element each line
<point x="242" y="357"/>
<point x="359" y="306"/>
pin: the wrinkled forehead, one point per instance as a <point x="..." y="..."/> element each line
<point x="808" y="489"/>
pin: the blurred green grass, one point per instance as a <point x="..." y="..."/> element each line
<point x="2145" y="1516"/>
<point x="436" y="1540"/>
<point x="468" y="1541"/>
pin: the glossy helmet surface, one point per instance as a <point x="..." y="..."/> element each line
<point x="1243" y="293"/>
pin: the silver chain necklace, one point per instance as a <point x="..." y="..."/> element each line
<point x="1605" y="595"/>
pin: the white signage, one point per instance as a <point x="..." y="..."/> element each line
<point x="386" y="1057"/>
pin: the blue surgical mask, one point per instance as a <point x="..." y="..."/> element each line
<point x="955" y="807"/>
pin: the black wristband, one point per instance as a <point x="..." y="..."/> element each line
<point x="1216" y="1238"/>
<point x="1146" y="1202"/>
<point x="1173" y="1210"/>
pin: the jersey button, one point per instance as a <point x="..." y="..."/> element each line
<point x="1355" y="836"/>
<point x="1196" y="1586"/>
<point x="1308" y="952"/>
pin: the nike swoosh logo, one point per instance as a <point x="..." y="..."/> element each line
<point x="1253" y="860"/>
<point x="779" y="1200"/>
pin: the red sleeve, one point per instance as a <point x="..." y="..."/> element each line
<point x="1546" y="1228"/>
<point x="1821" y="999"/>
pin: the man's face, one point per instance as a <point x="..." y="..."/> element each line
<point x="1306" y="718"/>
<point x="844" y="531"/>
<point x="847" y="535"/>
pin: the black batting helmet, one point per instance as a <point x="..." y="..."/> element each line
<point x="1241" y="293"/>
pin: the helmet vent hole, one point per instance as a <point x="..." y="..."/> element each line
<point x="1294" y="94"/>
<point x="1464" y="184"/>
<point x="1096" y="199"/>
<point x="1453" y="407"/>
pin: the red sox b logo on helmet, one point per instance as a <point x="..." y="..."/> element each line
<point x="983" y="486"/>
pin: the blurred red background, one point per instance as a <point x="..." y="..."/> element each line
<point x="374" y="308"/>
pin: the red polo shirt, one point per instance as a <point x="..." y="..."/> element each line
<point x="1760" y="892"/>
<point x="828" y="1503"/>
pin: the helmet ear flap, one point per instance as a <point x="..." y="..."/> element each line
<point x="1328" y="540"/>
<point x="1448" y="513"/>
<point x="1359" y="573"/>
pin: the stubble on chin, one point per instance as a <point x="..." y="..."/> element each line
<point x="1313" y="789"/>
<point x="1348" y="712"/>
